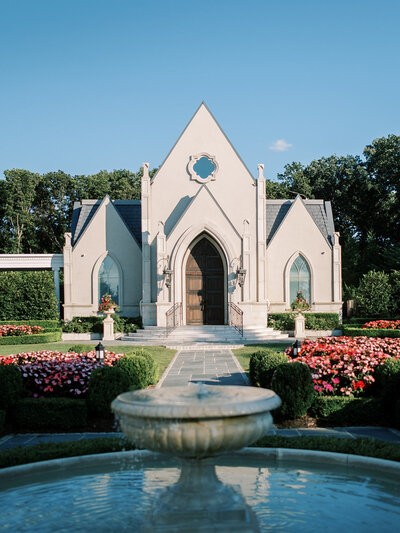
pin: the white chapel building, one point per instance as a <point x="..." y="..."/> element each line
<point x="204" y="239"/>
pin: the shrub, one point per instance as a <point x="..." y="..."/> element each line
<point x="41" y="338"/>
<point x="315" y="321"/>
<point x="373" y="294"/>
<point x="397" y="414"/>
<point x="357" y="330"/>
<point x="28" y="295"/>
<point x="292" y="382"/>
<point x="50" y="413"/>
<point x="322" y="321"/>
<point x="47" y="325"/>
<point x="104" y="385"/>
<point x="387" y="382"/>
<point x="2" y="421"/>
<point x="344" y="411"/>
<point x="139" y="369"/>
<point x="56" y="450"/>
<point x="394" y="279"/>
<point x="94" y="324"/>
<point x="81" y="348"/>
<point x="11" y="385"/>
<point x="153" y="366"/>
<point x="262" y="366"/>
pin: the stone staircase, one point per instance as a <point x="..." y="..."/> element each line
<point x="188" y="335"/>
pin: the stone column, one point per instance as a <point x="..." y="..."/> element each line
<point x="56" y="274"/>
<point x="337" y="269"/>
<point x="299" y="326"/>
<point x="261" y="237"/>
<point x="108" y="327"/>
<point x="146" y="246"/>
<point x="67" y="251"/>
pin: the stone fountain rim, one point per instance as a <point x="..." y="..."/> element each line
<point x="17" y="475"/>
<point x="232" y="401"/>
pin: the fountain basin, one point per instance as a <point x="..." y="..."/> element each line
<point x="289" y="490"/>
<point x="195" y="422"/>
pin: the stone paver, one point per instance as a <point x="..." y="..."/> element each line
<point x="212" y="367"/>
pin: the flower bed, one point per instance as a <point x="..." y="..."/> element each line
<point x="56" y="374"/>
<point x="382" y="324"/>
<point x="11" y="330"/>
<point x="344" y="366"/>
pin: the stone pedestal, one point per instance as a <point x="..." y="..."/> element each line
<point x="108" y="326"/>
<point x="299" y="326"/>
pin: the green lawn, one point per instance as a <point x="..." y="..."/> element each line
<point x="161" y="355"/>
<point x="243" y="354"/>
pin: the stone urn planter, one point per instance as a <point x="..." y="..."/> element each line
<point x="108" y="325"/>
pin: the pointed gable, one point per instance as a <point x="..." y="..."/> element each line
<point x="128" y="210"/>
<point x="319" y="210"/>
<point x="230" y="183"/>
<point x="205" y="128"/>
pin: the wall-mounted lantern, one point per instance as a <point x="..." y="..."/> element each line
<point x="241" y="276"/>
<point x="168" y="276"/>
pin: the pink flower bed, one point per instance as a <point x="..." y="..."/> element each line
<point x="50" y="374"/>
<point x="382" y="324"/>
<point x="10" y="330"/>
<point x="344" y="366"/>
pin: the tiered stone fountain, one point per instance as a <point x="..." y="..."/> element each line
<point x="196" y="423"/>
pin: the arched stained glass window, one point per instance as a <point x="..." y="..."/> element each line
<point x="300" y="279"/>
<point x="109" y="282"/>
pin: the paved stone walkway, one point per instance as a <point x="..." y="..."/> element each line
<point x="212" y="367"/>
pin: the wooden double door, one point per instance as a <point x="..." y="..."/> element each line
<point x="205" y="295"/>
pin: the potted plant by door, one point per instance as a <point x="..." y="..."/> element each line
<point x="299" y="305"/>
<point x="108" y="307"/>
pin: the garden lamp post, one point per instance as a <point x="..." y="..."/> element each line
<point x="296" y="348"/>
<point x="100" y="353"/>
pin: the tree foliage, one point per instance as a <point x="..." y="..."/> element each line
<point x="365" y="196"/>
<point x="36" y="209"/>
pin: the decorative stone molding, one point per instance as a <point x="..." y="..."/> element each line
<point x="195" y="159"/>
<point x="31" y="261"/>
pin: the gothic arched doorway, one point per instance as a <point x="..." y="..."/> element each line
<point x="205" y="294"/>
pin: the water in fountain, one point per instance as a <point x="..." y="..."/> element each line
<point x="128" y="491"/>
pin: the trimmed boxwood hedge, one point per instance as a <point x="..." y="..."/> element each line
<point x="39" y="338"/>
<point x="2" y="421"/>
<point x="292" y="382"/>
<point x="351" y="331"/>
<point x="28" y="295"/>
<point x="94" y="324"/>
<point x="314" y="321"/>
<point x="262" y="366"/>
<point x="50" y="413"/>
<point x="344" y="411"/>
<point x="48" y="325"/>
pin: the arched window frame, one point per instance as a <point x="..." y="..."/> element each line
<point x="289" y="265"/>
<point x="95" y="280"/>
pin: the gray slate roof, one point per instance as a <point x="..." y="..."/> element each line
<point x="129" y="211"/>
<point x="320" y="211"/>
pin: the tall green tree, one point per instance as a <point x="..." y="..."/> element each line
<point x="18" y="193"/>
<point x="52" y="209"/>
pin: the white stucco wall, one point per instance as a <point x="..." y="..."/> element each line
<point x="106" y="234"/>
<point x="298" y="233"/>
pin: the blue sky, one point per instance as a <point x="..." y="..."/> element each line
<point x="102" y="84"/>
